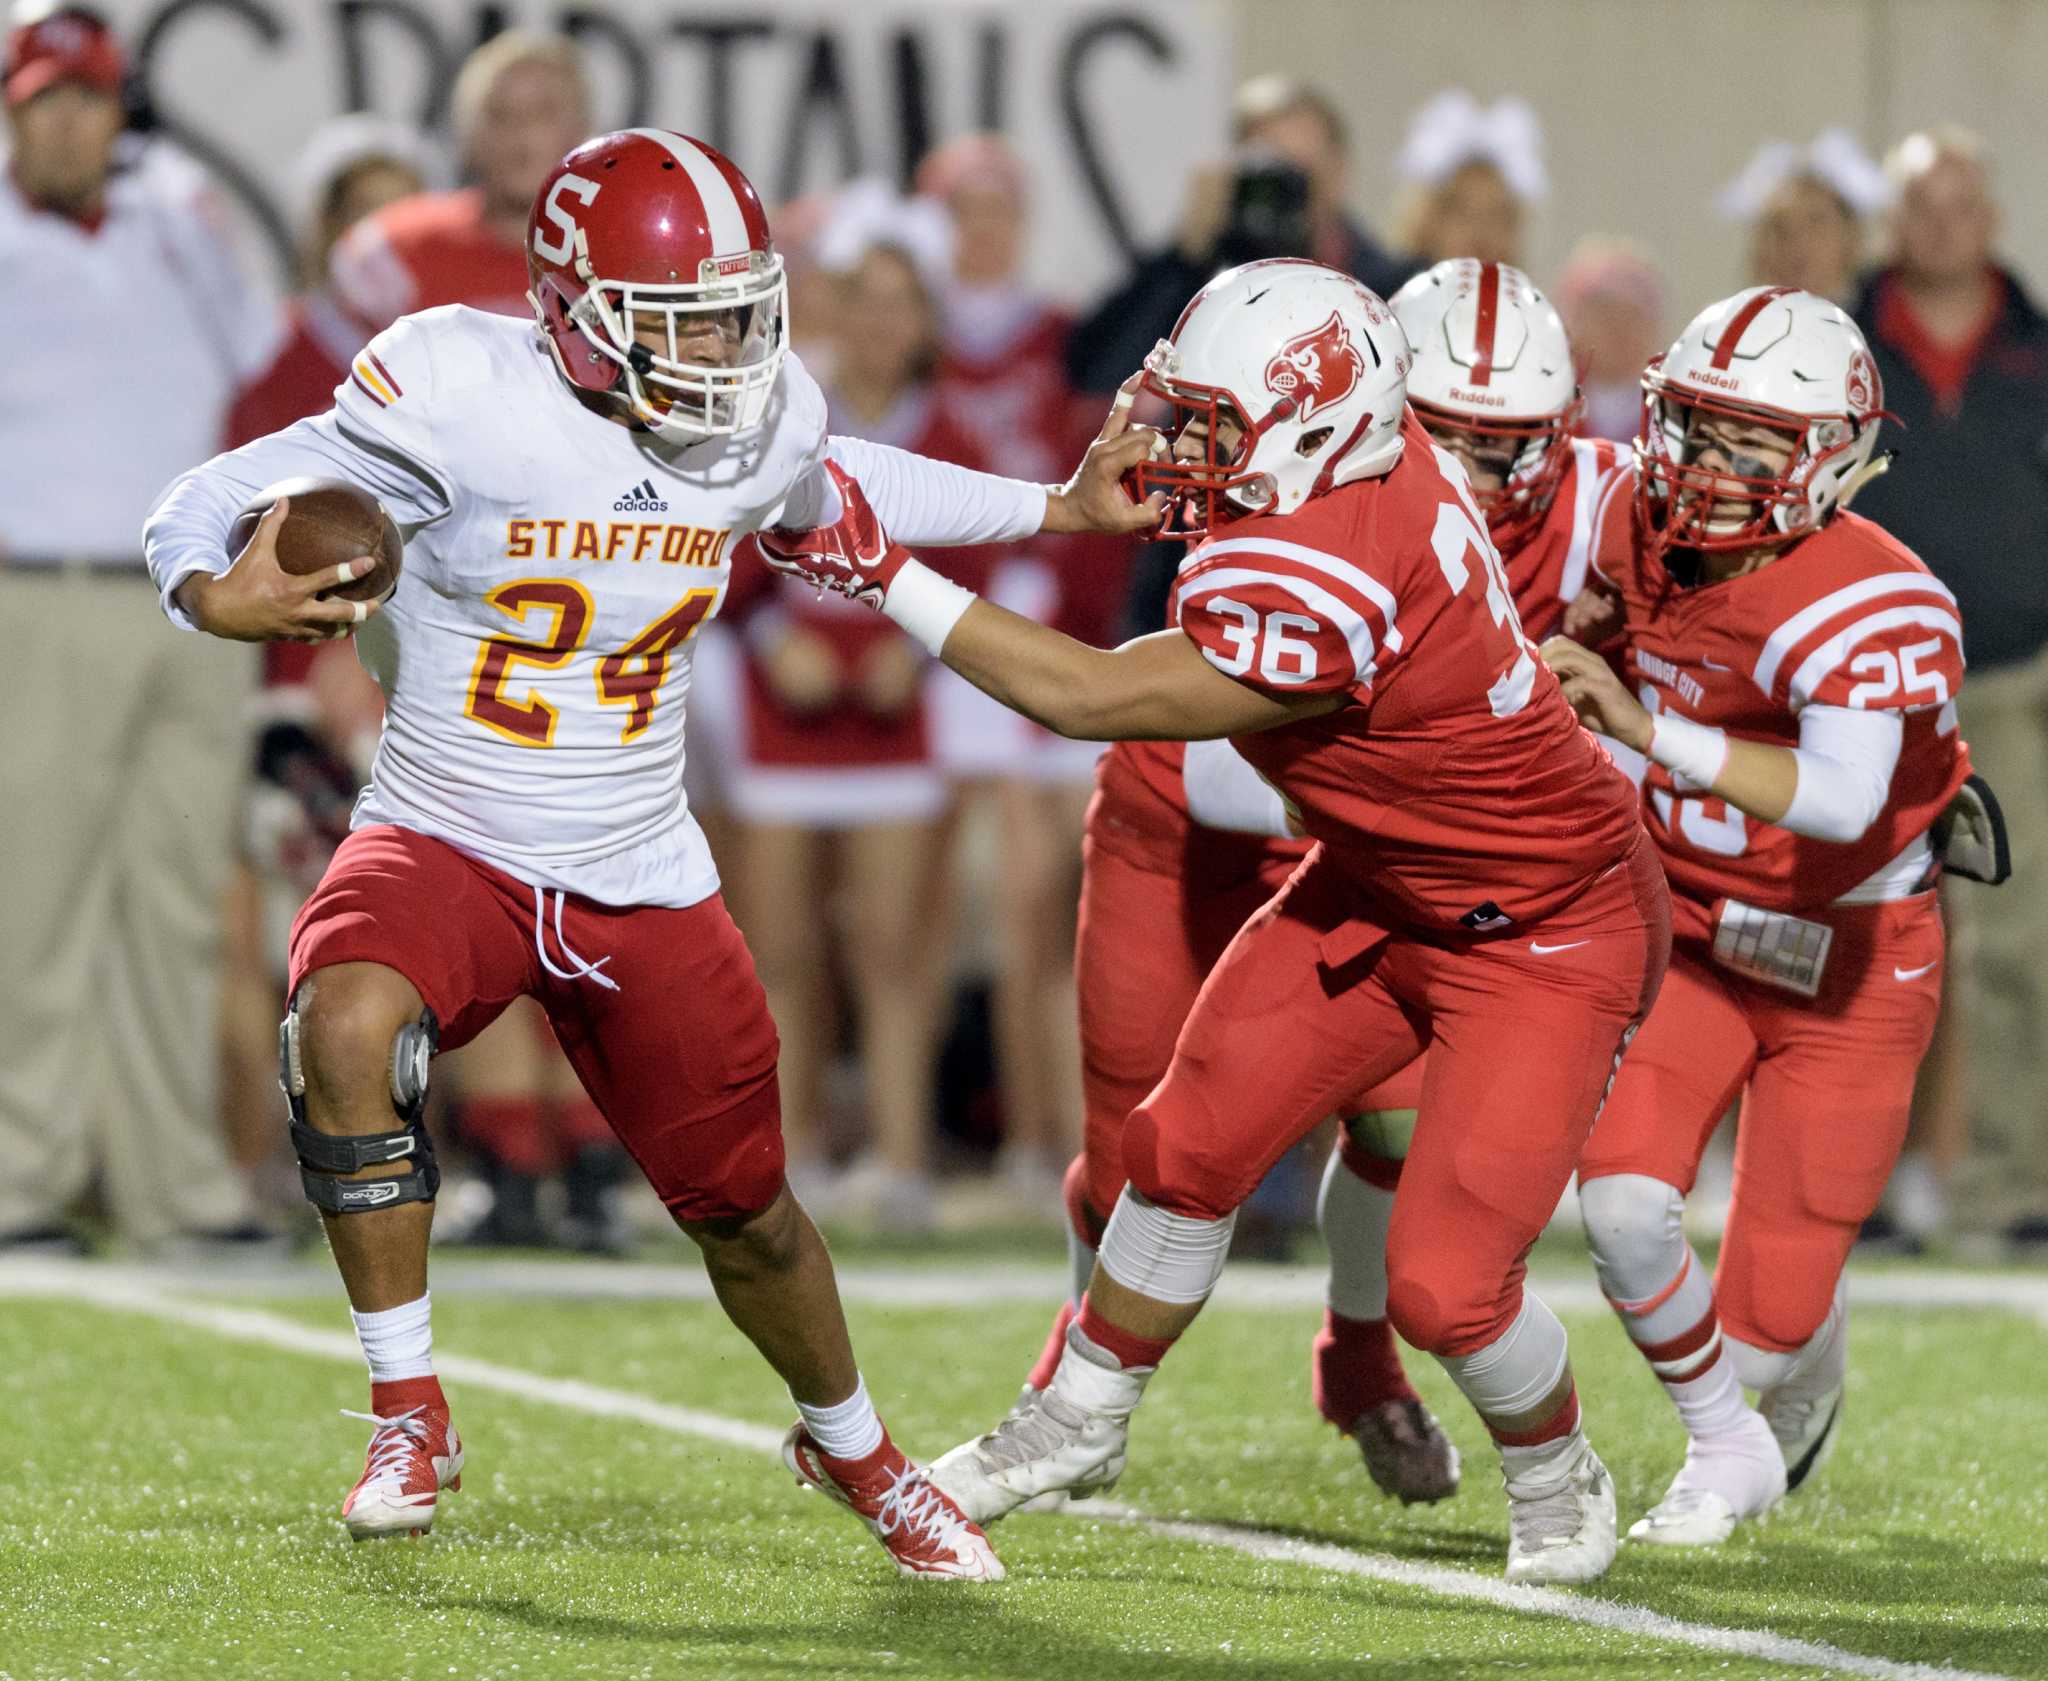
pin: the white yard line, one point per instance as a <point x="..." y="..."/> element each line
<point x="982" y="1284"/>
<point x="129" y="1291"/>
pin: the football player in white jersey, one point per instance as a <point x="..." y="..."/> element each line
<point x="571" y="499"/>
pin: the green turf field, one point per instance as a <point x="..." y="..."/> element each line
<point x="169" y="1493"/>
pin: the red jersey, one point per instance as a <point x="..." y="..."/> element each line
<point x="1142" y="782"/>
<point x="1548" y="570"/>
<point x="423" y="251"/>
<point x="1847" y="617"/>
<point x="1456" y="785"/>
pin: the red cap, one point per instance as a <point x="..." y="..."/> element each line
<point x="62" y="46"/>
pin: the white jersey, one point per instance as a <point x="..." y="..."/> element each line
<point x="536" y="655"/>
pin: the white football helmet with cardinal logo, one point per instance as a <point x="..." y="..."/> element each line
<point x="1492" y="359"/>
<point x="1778" y="357"/>
<point x="1313" y="367"/>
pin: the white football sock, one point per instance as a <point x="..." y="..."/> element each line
<point x="1663" y="1297"/>
<point x="398" y="1341"/>
<point x="1353" y="1217"/>
<point x="1522" y="1365"/>
<point x="1633" y="1227"/>
<point x="848" y="1429"/>
<point x="1170" y="1257"/>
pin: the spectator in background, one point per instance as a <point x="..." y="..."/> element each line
<point x="1469" y="173"/>
<point x="319" y="714"/>
<point x="813" y="293"/>
<point x="1281" y="194"/>
<point x="350" y="169"/>
<point x="520" y="102"/>
<point x="1805" y="208"/>
<point x="1963" y="353"/>
<point x="1612" y="300"/>
<point x="129" y="328"/>
<point x="1004" y="372"/>
<point x="830" y="774"/>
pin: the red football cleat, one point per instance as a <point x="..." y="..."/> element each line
<point x="918" y="1525"/>
<point x="414" y="1454"/>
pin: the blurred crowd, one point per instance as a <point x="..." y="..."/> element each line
<point x="902" y="854"/>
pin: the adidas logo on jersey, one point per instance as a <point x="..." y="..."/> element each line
<point x="641" y="499"/>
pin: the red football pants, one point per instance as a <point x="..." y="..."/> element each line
<point x="1826" y="1086"/>
<point x="1320" y="997"/>
<point x="678" y="1053"/>
<point x="1156" y="914"/>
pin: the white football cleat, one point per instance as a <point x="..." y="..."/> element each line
<point x="413" y="1456"/>
<point x="1068" y="1438"/>
<point x="1805" y="1411"/>
<point x="1053" y="1499"/>
<point x="1561" y="1520"/>
<point x="1725" y="1480"/>
<point x="1806" y="1425"/>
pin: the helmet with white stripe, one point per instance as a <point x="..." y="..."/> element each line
<point x="647" y="225"/>
<point x="1306" y="362"/>
<point x="1772" y="357"/>
<point x="1493" y="364"/>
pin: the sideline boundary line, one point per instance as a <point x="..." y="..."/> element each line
<point x="97" y="1287"/>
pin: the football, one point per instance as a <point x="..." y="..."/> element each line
<point x="330" y="521"/>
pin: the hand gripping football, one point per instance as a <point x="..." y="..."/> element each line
<point x="852" y="556"/>
<point x="330" y="521"/>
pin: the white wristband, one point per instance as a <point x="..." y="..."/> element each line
<point x="926" y="605"/>
<point x="1697" y="752"/>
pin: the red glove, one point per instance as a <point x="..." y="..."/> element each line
<point x="853" y="556"/>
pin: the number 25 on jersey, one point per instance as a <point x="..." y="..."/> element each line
<point x="630" y="678"/>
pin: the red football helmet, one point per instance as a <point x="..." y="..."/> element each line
<point x="647" y="223"/>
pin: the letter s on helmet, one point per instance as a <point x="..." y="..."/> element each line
<point x="1310" y="363"/>
<point x="645" y="224"/>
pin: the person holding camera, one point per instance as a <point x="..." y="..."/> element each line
<point x="1280" y="194"/>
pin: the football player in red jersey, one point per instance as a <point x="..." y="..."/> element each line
<point x="1493" y="383"/>
<point x="1482" y="882"/>
<point x="1166" y="882"/>
<point x="1796" y="672"/>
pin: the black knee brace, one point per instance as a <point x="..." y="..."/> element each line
<point x="324" y="1155"/>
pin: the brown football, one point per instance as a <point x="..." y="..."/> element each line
<point x="330" y="521"/>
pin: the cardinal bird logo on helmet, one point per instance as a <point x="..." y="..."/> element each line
<point x="1316" y="369"/>
<point x="1863" y="388"/>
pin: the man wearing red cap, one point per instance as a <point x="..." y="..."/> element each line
<point x="129" y="329"/>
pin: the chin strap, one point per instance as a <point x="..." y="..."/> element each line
<point x="1876" y="467"/>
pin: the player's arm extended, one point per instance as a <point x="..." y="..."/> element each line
<point x="1158" y="687"/>
<point x="1831" y="787"/>
<point x="933" y="504"/>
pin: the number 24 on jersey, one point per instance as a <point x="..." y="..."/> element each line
<point x="631" y="678"/>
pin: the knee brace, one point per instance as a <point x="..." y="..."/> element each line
<point x="325" y="1155"/>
